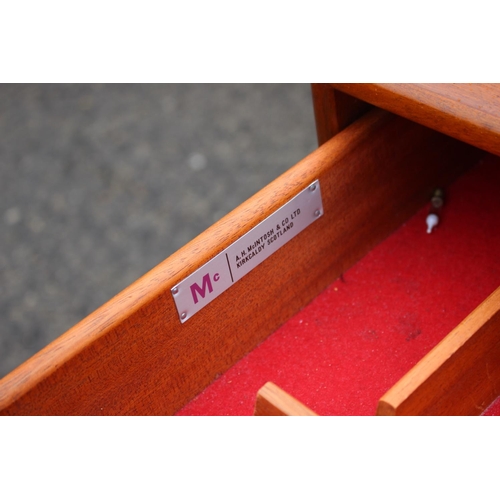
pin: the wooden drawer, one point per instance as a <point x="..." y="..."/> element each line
<point x="134" y="356"/>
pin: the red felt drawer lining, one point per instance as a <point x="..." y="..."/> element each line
<point x="345" y="349"/>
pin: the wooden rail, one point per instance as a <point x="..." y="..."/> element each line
<point x="468" y="112"/>
<point x="272" y="401"/>
<point x="460" y="376"/>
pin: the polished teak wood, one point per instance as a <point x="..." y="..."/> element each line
<point x="334" y="110"/>
<point x="469" y="112"/>
<point x="272" y="401"/>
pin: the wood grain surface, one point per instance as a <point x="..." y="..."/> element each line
<point x="272" y="401"/>
<point x="467" y="111"/>
<point x="133" y="356"/>
<point x="334" y="110"/>
<point x="460" y="376"/>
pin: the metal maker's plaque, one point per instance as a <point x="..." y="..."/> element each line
<point x="217" y="275"/>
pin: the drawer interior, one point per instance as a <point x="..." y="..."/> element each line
<point x="353" y="342"/>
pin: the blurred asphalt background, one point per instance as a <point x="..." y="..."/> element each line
<point x="100" y="183"/>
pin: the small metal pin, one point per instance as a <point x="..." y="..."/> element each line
<point x="317" y="213"/>
<point x="437" y="202"/>
<point x="183" y="315"/>
<point x="312" y="187"/>
<point x="432" y="221"/>
<point x="175" y="290"/>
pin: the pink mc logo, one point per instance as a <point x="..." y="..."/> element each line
<point x="205" y="283"/>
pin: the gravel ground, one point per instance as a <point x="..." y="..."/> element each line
<point x="99" y="183"/>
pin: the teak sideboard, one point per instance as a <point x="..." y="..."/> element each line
<point x="384" y="148"/>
